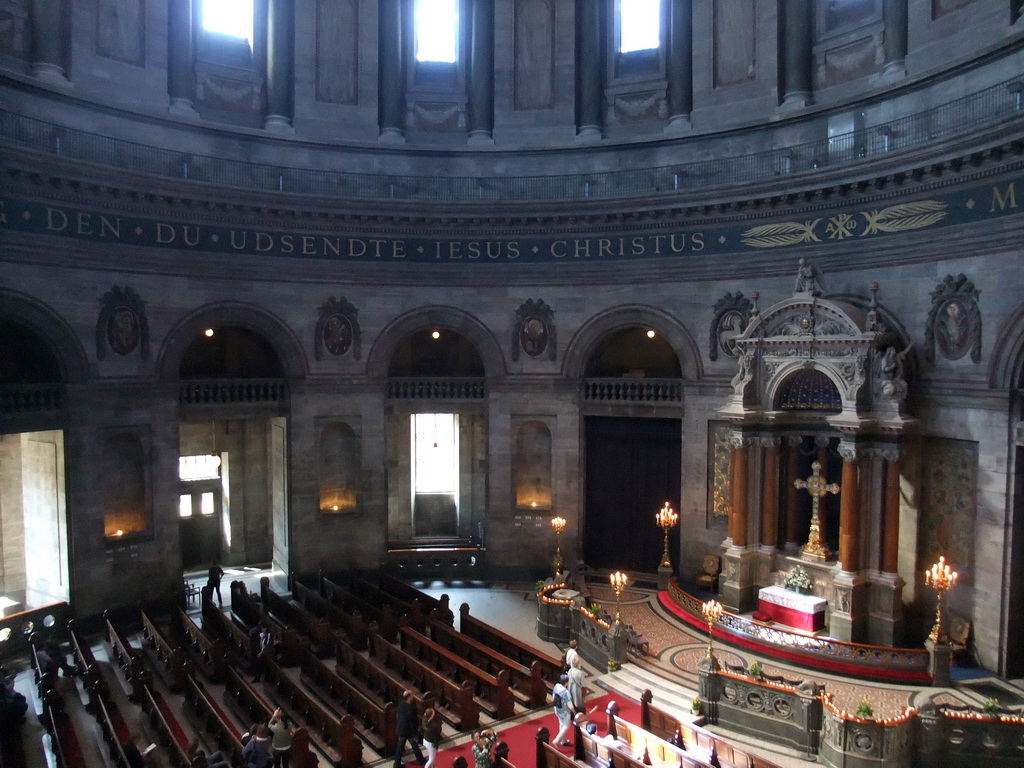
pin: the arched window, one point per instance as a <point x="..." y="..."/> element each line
<point x="639" y="25"/>
<point x="233" y="18"/>
<point x="437" y="30"/>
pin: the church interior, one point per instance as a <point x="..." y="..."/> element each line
<point x="293" y="287"/>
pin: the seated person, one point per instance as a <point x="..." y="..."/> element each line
<point x="52" y="660"/>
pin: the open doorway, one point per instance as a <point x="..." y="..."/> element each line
<point x="33" y="521"/>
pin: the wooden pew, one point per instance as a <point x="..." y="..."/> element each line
<point x="451" y="697"/>
<point x="438" y="608"/>
<point x="335" y="737"/>
<point x="410" y="612"/>
<point x="493" y="690"/>
<point x="209" y="653"/>
<point x="46" y="682"/>
<point x="96" y="686"/>
<point x="168" y="652"/>
<point x="114" y="728"/>
<point x="515" y="649"/>
<point x="172" y="737"/>
<point x="258" y="710"/>
<point x="213" y="720"/>
<point x="527" y="684"/>
<point x="129" y="659"/>
<point x="374" y="720"/>
<point x="219" y="625"/>
<point x="321" y="635"/>
<point x="383" y="616"/>
<point x="64" y="742"/>
<point x="289" y="643"/>
<point x="352" y="625"/>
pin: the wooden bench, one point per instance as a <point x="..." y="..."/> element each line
<point x="129" y="659"/>
<point x="352" y="625"/>
<point x="64" y="742"/>
<point x="410" y="612"/>
<point x="323" y="638"/>
<point x="492" y="690"/>
<point x="451" y="697"/>
<point x="209" y="653"/>
<point x="334" y="736"/>
<point x="258" y="710"/>
<point x="172" y="737"/>
<point x="382" y="615"/>
<point x="92" y="677"/>
<point x="438" y="608"/>
<point x="527" y="684"/>
<point x="289" y="644"/>
<point x="168" y="652"/>
<point x="46" y="682"/>
<point x="514" y="648"/>
<point x="375" y="721"/>
<point x="219" y="625"/>
<point x="213" y="720"/>
<point x="114" y="729"/>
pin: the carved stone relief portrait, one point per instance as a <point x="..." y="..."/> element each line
<point x="121" y="325"/>
<point x="337" y="330"/>
<point x="534" y="330"/>
<point x="954" y="322"/>
<point x="732" y="313"/>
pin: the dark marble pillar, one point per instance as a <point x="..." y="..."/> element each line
<point x="894" y="48"/>
<point x="391" y="72"/>
<point x="795" y="54"/>
<point x="481" y="73"/>
<point x="589" y="70"/>
<point x="280" y="65"/>
<point x="50" y="25"/>
<point x="181" y="54"/>
<point x="680" y="65"/>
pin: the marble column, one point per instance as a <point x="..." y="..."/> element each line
<point x="849" y="517"/>
<point x="737" y="588"/>
<point x="891" y="514"/>
<point x="481" y="73"/>
<point x="391" y="72"/>
<point x="796" y="54"/>
<point x="50" y="23"/>
<point x="770" y="493"/>
<point x="792" y="467"/>
<point x="680" y="65"/>
<point x="181" y="54"/>
<point x="589" y="70"/>
<point x="894" y="45"/>
<point x="886" y="624"/>
<point x="280" y="66"/>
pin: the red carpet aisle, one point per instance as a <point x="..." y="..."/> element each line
<point x="522" y="737"/>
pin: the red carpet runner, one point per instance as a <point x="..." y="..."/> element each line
<point x="522" y="738"/>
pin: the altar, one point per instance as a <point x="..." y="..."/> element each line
<point x="793" y="609"/>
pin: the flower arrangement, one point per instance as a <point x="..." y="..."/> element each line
<point x="798" y="579"/>
<point x="595" y="610"/>
<point x="539" y="586"/>
<point x="990" y="707"/>
<point x="864" y="709"/>
<point x="755" y="669"/>
<point x="695" y="705"/>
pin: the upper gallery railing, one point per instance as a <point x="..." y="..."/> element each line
<point x="415" y="388"/>
<point x="633" y="390"/>
<point x="984" y="108"/>
<point x="30" y="398"/>
<point x="232" y="391"/>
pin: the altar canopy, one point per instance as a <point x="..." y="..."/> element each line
<point x="817" y="418"/>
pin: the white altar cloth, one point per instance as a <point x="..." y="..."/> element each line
<point x="792" y="608"/>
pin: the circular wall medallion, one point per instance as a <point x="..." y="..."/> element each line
<point x="337" y="334"/>
<point x="123" y="330"/>
<point x="533" y="336"/>
<point x="953" y="331"/>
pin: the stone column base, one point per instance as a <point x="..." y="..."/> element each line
<point x="939" y="657"/>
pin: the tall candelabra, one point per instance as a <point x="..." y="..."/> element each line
<point x="558" y="523"/>
<point x="666" y="518"/>
<point x="712" y="611"/>
<point x="619" y="580"/>
<point x="942" y="579"/>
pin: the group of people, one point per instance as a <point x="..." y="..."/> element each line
<point x="263" y="745"/>
<point x="569" y="695"/>
<point x="427" y="730"/>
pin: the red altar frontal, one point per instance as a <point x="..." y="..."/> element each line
<point x="793" y="609"/>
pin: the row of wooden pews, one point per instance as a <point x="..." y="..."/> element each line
<point x="64" y="742"/>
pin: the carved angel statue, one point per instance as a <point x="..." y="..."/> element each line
<point x="808" y="279"/>
<point x="890" y="373"/>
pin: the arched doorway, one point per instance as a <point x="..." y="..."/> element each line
<point x="232" y="501"/>
<point x="633" y="444"/>
<point x="33" y="507"/>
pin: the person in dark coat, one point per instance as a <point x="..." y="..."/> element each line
<point x="214" y="576"/>
<point x="406" y="730"/>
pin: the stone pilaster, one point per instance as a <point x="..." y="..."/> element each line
<point x="680" y="66"/>
<point x="795" y="54"/>
<point x="848" y="621"/>
<point x="590" y="72"/>
<point x="280" y="66"/>
<point x="481" y="73"/>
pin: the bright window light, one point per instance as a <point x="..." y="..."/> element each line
<point x="205" y="466"/>
<point x="229" y="17"/>
<point x="437" y="30"/>
<point x="639" y="25"/>
<point x="185" y="505"/>
<point x="435" y="453"/>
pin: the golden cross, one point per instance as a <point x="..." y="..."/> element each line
<point x="817" y="487"/>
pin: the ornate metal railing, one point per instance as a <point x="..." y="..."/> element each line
<point x="985" y="108"/>
<point x="436" y="389"/>
<point x="232" y="391"/>
<point x="30" y="398"/>
<point x="858" y="660"/>
<point x="633" y="390"/>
